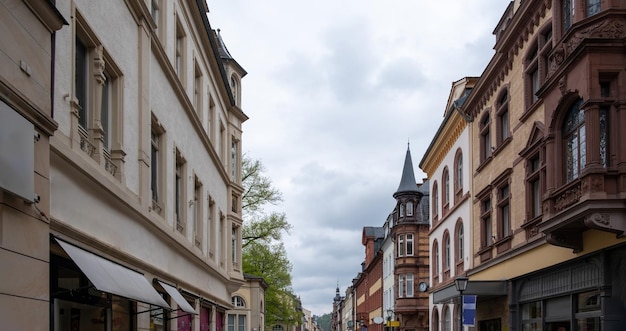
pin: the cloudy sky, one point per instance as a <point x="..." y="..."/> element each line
<point x="335" y="90"/>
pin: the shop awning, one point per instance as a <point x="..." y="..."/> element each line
<point x="481" y="288"/>
<point x="108" y="276"/>
<point x="180" y="300"/>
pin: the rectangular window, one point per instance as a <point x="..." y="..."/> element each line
<point x="409" y="244"/>
<point x="231" y="322"/>
<point x="197" y="90"/>
<point x="156" y="162"/>
<point x="179" y="56"/>
<point x="241" y="325"/>
<point x="209" y="224"/>
<point x="233" y="244"/>
<point x="504" y="217"/>
<point x="486" y="237"/>
<point x="400" y="245"/>
<point x="234" y="151"/>
<point x="409" y="285"/>
<point x="400" y="286"/>
<point x="593" y="7"/>
<point x="179" y="192"/>
<point x="197" y="213"/>
<point x="81" y="82"/>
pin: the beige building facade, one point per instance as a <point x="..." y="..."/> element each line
<point x="133" y="220"/>
<point x="548" y="191"/>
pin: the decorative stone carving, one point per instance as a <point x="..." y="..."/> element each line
<point x="607" y="222"/>
<point x="571" y="196"/>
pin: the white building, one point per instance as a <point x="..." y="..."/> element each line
<point x="447" y="163"/>
<point x="138" y="221"/>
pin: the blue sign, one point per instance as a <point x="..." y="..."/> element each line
<point x="469" y="310"/>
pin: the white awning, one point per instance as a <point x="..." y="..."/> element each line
<point x="180" y="300"/>
<point x="108" y="276"/>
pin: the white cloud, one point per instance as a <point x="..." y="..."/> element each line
<point x="334" y="91"/>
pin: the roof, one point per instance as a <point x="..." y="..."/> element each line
<point x="407" y="182"/>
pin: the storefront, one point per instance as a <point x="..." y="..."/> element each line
<point x="586" y="294"/>
<point x="89" y="292"/>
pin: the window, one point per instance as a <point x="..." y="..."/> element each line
<point x="536" y="64"/>
<point x="401" y="207"/>
<point x="534" y="186"/>
<point x="435" y="201"/>
<point x="211" y="118"/>
<point x="409" y="244"/>
<point x="458" y="175"/>
<point x="81" y="82"/>
<point x="210" y="225"/>
<point x="197" y="212"/>
<point x="568" y="14"/>
<point x="593" y="7"/>
<point x="98" y="106"/>
<point x="277" y="328"/>
<point x="409" y="285"/>
<point x="574" y="141"/>
<point x="435" y="322"/>
<point x="156" y="160"/>
<point x="409" y="208"/>
<point x="446" y="189"/>
<point x="234" y="88"/>
<point x="485" y="138"/>
<point x="400" y="286"/>
<point x="446" y="250"/>
<point x="447" y="318"/>
<point x="238" y="323"/>
<point x="603" y="136"/>
<point x="459" y="241"/>
<point x="502" y="113"/>
<point x="435" y="262"/>
<point x="485" y="218"/>
<point x="400" y="245"/>
<point x="233" y="244"/>
<point x="504" y="212"/>
<point x="197" y="90"/>
<point x="234" y="152"/>
<point x="179" y="56"/>
<point x="238" y="302"/>
<point x="179" y="192"/>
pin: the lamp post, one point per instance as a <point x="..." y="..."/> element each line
<point x="461" y="285"/>
<point x="389" y="319"/>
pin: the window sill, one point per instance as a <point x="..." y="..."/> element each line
<point x="504" y="244"/>
<point x="484" y="163"/>
<point x="485" y="253"/>
<point x="501" y="146"/>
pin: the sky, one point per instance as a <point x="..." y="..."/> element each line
<point x="335" y="91"/>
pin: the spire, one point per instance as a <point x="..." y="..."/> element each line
<point x="407" y="183"/>
<point x="337" y="295"/>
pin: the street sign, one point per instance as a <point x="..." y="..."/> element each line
<point x="393" y="323"/>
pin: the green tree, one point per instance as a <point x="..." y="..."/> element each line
<point x="264" y="254"/>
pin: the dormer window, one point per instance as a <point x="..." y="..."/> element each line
<point x="409" y="208"/>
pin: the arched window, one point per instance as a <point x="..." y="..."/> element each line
<point x="435" y="201"/>
<point x="238" y="301"/>
<point x="435" y="263"/>
<point x="446" y="250"/>
<point x="447" y="318"/>
<point x="459" y="240"/>
<point x="435" y="322"/>
<point x="445" y="191"/>
<point x="458" y="175"/>
<point x="574" y="141"/>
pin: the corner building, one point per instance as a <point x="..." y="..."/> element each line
<point x="549" y="169"/>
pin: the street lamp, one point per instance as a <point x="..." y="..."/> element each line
<point x="461" y="285"/>
<point x="389" y="318"/>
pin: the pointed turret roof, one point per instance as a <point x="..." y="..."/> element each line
<point x="407" y="183"/>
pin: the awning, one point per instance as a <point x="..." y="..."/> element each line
<point x="180" y="300"/>
<point x="481" y="288"/>
<point x="108" y="276"/>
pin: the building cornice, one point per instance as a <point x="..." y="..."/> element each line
<point x="447" y="135"/>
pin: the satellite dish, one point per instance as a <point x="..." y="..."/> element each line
<point x="378" y="320"/>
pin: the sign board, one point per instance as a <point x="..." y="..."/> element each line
<point x="393" y="323"/>
<point x="469" y="310"/>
